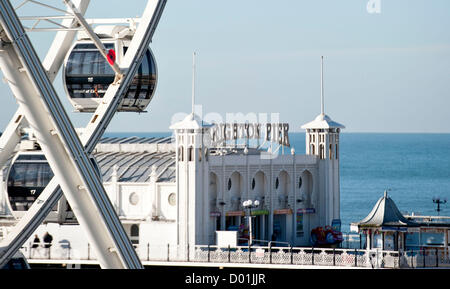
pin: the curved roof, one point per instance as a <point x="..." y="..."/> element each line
<point x="136" y="166"/>
<point x="385" y="213"/>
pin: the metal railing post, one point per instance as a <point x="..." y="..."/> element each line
<point x="423" y="254"/>
<point x="209" y="253"/>
<point x="89" y="252"/>
<point x="249" y="252"/>
<point x="270" y="252"/>
<point x="312" y="257"/>
<point x="168" y="252"/>
<point x="148" y="251"/>
<point x="229" y="253"/>
<point x="437" y="258"/>
<point x="334" y="256"/>
<point x="292" y="256"/>
<point x="188" y="251"/>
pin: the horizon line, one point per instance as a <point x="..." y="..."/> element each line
<point x="342" y="132"/>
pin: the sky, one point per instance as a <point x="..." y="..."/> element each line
<point x="386" y="66"/>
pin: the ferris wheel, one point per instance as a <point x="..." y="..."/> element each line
<point x="107" y="67"/>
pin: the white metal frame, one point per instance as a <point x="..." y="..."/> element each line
<point x="65" y="152"/>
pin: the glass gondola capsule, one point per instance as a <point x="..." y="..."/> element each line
<point x="28" y="175"/>
<point x="87" y="74"/>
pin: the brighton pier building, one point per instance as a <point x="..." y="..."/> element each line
<point x="181" y="190"/>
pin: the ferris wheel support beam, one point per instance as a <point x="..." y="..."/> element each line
<point x="52" y="63"/>
<point x="96" y="127"/>
<point x="62" y="147"/>
<point x="11" y="137"/>
<point x="97" y="42"/>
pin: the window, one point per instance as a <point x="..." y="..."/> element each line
<point x="88" y="75"/>
<point x="28" y="177"/>
<point x="172" y="199"/>
<point x="134" y="199"/>
<point x="313" y="150"/>
<point x="180" y="153"/>
<point x="321" y="151"/>
<point x="299" y="182"/>
<point x="277" y="183"/>
<point x="229" y="184"/>
<point x="134" y="234"/>
<point x="299" y="225"/>
<point x="190" y="154"/>
<point x="253" y="183"/>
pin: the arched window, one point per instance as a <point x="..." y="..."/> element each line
<point x="190" y="154"/>
<point x="321" y="151"/>
<point x="305" y="188"/>
<point x="134" y="234"/>
<point x="313" y="149"/>
<point x="181" y="153"/>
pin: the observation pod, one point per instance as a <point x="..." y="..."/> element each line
<point x="27" y="177"/>
<point x="87" y="75"/>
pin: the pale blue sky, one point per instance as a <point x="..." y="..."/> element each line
<point x="386" y="72"/>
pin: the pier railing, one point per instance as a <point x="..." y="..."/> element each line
<point x="253" y="254"/>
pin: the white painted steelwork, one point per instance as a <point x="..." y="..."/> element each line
<point x="67" y="144"/>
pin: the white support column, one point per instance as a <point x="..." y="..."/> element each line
<point x="77" y="183"/>
<point x="59" y="142"/>
<point x="11" y="136"/>
<point x="96" y="126"/>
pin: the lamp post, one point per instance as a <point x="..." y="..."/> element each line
<point x="249" y="204"/>
<point x="438" y="202"/>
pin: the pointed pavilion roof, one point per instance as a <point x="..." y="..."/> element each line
<point x="385" y="213"/>
<point x="191" y="121"/>
<point x="322" y="121"/>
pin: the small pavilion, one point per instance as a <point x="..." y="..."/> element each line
<point x="385" y="227"/>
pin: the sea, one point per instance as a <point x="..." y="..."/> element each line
<point x="414" y="169"/>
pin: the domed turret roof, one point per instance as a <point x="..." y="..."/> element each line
<point x="322" y="121"/>
<point x="191" y="121"/>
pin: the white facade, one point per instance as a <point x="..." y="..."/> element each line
<point x="180" y="192"/>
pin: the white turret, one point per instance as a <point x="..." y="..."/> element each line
<point x="192" y="138"/>
<point x="322" y="140"/>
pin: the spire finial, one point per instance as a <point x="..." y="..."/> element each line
<point x="322" y="111"/>
<point x="193" y="82"/>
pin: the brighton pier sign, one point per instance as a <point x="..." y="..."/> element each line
<point x="270" y="132"/>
